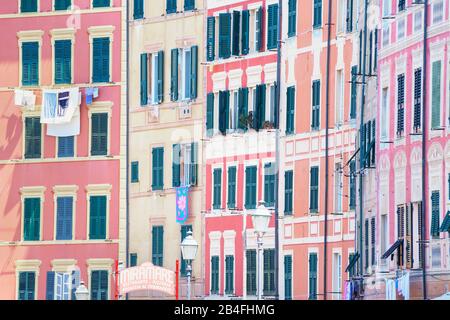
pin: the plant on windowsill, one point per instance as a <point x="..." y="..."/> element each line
<point x="268" y="125"/>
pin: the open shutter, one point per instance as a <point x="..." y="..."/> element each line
<point x="245" y="32"/>
<point x="243" y="108"/>
<point x="50" y="292"/>
<point x="138" y="10"/>
<point x="144" y="79"/>
<point x="292" y="17"/>
<point x="174" y="75"/>
<point x="290" y="110"/>
<point x="272" y="26"/>
<point x="193" y="75"/>
<point x="209" y="113"/>
<point x="231" y="187"/>
<point x="261" y="105"/>
<point x="435" y="223"/>
<point x="189" y="5"/>
<point x="236" y="32"/>
<point x="160" y="76"/>
<point x="194" y="164"/>
<point x="210" y="38"/>
<point x="436" y="95"/>
<point x="224" y="35"/>
<point x="176" y="165"/>
<point x="259" y="30"/>
<point x="171" y="6"/>
<point x="224" y="106"/>
<point x="353" y="94"/>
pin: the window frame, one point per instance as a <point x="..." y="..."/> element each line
<point x="67" y="34"/>
<point x="98" y="190"/>
<point x="100" y="107"/>
<point x="105" y="31"/>
<point x="31" y="192"/>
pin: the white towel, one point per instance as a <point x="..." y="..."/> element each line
<point x="51" y="116"/>
<point x="25" y="98"/>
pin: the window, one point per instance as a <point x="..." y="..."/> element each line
<point x="435" y="214"/>
<point x="138" y="9"/>
<point x="401" y="29"/>
<point x="100" y="3"/>
<point x="217" y="189"/>
<point x="245" y="32"/>
<point x="27" y="285"/>
<point x="400" y="234"/>
<point x="210" y="38"/>
<point x="288" y="277"/>
<point x="418" y="20"/>
<point x="250" y="187"/>
<point x="258" y="30"/>
<point x="342" y="16"/>
<point x="66" y="146"/>
<point x="354" y="93"/>
<point x="292" y="17"/>
<point x="269" y="272"/>
<point x="417" y="99"/>
<point x="337" y="275"/>
<point x="232" y="177"/>
<point x="312" y="276"/>
<point x="30" y="63"/>
<point x="32" y="219"/>
<point x="372" y="241"/>
<point x="351" y="271"/>
<point x="236" y="32"/>
<point x="438" y="11"/>
<point x="229" y="274"/>
<point x="101" y="60"/>
<point x="384" y="113"/>
<point x="133" y="259"/>
<point x="224" y="111"/>
<point x="288" y="192"/>
<point x="401" y="5"/>
<point x="99" y="134"/>
<point x="314" y="190"/>
<point x="290" y="110"/>
<point x="184" y="62"/>
<point x="338" y="188"/>
<point x="317" y="20"/>
<point x="32" y="137"/>
<point x="135" y="171"/>
<point x="375" y="51"/>
<point x="384" y="236"/>
<point x="224" y="35"/>
<point x="185" y="164"/>
<point x="171" y="6"/>
<point x="214" y="275"/>
<point x="339" y="97"/>
<point x="64" y="213"/>
<point x="272" y="26"/>
<point x="352" y="183"/>
<point x="157" y="245"/>
<point x="251" y="271"/>
<point x="349" y="16"/>
<point x="436" y="95"/>
<point x="272" y="104"/>
<point x="158" y="168"/>
<point x="62" y="285"/>
<point x="99" y="284"/>
<point x="400" y="104"/>
<point x="62" y="4"/>
<point x="242" y="115"/>
<point x="233" y="114"/>
<point x="152" y="72"/>
<point x="386" y="33"/>
<point x="28" y="6"/>
<point x="210" y="113"/>
<point x="370" y="51"/>
<point x="315" y="118"/>
<point x="97" y="217"/>
<point x="184" y="230"/>
<point x="269" y="184"/>
<point x="189" y="5"/>
<point x="387" y="7"/>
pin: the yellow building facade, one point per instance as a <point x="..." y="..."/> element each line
<point x="166" y="123"/>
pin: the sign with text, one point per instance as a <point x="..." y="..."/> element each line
<point x="147" y="277"/>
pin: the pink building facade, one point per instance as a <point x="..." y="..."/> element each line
<point x="399" y="148"/>
<point x="62" y="195"/>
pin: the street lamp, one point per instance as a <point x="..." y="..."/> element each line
<point x="82" y="293"/>
<point x="189" y="250"/>
<point x="260" y="219"/>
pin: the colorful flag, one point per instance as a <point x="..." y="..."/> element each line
<point x="182" y="203"/>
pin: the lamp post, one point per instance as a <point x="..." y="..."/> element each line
<point x="260" y="219"/>
<point x="189" y="250"/>
<point x="82" y="293"/>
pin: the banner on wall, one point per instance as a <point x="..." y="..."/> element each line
<point x="182" y="205"/>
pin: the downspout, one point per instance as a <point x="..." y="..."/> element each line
<point x="277" y="149"/>
<point x="424" y="150"/>
<point x="327" y="120"/>
<point x="127" y="209"/>
<point x="362" y="151"/>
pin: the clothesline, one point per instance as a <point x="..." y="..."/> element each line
<point x="78" y="85"/>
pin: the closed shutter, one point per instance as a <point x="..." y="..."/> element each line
<point x="353" y="94"/>
<point x="174" y="75"/>
<point x="224" y="35"/>
<point x="272" y="26"/>
<point x="352" y="178"/>
<point x="160" y="78"/>
<point x="99" y="134"/>
<point x="436" y="95"/>
<point x="236" y="32"/>
<point x="62" y="4"/>
<point x="269" y="272"/>
<point x="435" y="223"/>
<point x="312" y="276"/>
<point x="245" y="33"/>
<point x="99" y="285"/>
<point x="193" y="75"/>
<point x="63" y="61"/>
<point x="138" y="10"/>
<point x="401" y="5"/>
<point x="229" y="274"/>
<point x="217" y="191"/>
<point x="32" y="138"/>
<point x="100" y="63"/>
<point x="317" y="13"/>
<point x="260" y="107"/>
<point x="30" y="63"/>
<point x="288" y="192"/>
<point x="66" y="146"/>
<point x="231" y="187"/>
<point x="28" y="5"/>
<point x="135" y="171"/>
<point x="32" y="219"/>
<point x="243" y="108"/>
<point x="417" y="99"/>
<point x="64" y="218"/>
<point x="157" y="245"/>
<point x="372" y="241"/>
<point x="372" y="144"/>
<point x="144" y="79"/>
<point x="314" y="189"/>
<point x="171" y="6"/>
<point x="290" y="110"/>
<point x="189" y="5"/>
<point x="194" y="164"/>
<point x="50" y="286"/>
<point x="259" y="30"/>
<point x="97" y="218"/>
<point x="251" y="271"/>
<point x="158" y="168"/>
<point x="27" y="285"/>
<point x="366" y="242"/>
<point x="101" y="3"/>
<point x="210" y="113"/>
<point x="215" y="275"/>
<point x="250" y="187"/>
<point x="133" y="259"/>
<point x="400" y="104"/>
<point x="375" y="51"/>
<point x="292" y="17"/>
<point x="269" y="184"/>
<point x="210" y="38"/>
<point x="224" y="109"/>
<point x="349" y="17"/>
<point x="315" y="117"/>
<point x="288" y="277"/>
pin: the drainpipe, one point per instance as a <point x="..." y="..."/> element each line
<point x="127" y="206"/>
<point x="424" y="150"/>
<point x="362" y="151"/>
<point x="327" y="107"/>
<point x="277" y="150"/>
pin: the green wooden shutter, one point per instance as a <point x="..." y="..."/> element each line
<point x="144" y="79"/>
<point x="210" y="38"/>
<point x="317" y="14"/>
<point x="193" y="75"/>
<point x="217" y="189"/>
<point x="272" y="26"/>
<point x="312" y="276"/>
<point x="353" y="93"/>
<point x="259" y="30"/>
<point x="229" y="274"/>
<point x="99" y="285"/>
<point x="250" y="187"/>
<point x="63" y="61"/>
<point x="236" y="32"/>
<point x="251" y="271"/>
<point x="66" y="146"/>
<point x="292" y="17"/>
<point x="243" y="108"/>
<point x="209" y="113"/>
<point x="349" y="17"/>
<point x="290" y="110"/>
<point x="30" y="63"/>
<point x="158" y="168"/>
<point x="64" y="213"/>
<point x="101" y="57"/>
<point x="269" y="272"/>
<point x="224" y="109"/>
<point x="133" y="259"/>
<point x="245" y="32"/>
<point x="435" y="213"/>
<point x="138" y="10"/>
<point x="99" y="134"/>
<point x="50" y="286"/>
<point x="315" y="125"/>
<point x="194" y="164"/>
<point x="32" y="138"/>
<point x="260" y="110"/>
<point x="436" y="95"/>
<point x="269" y="184"/>
<point x="313" y="189"/>
<point x="160" y="79"/>
<point x="232" y="187"/>
<point x="32" y="219"/>
<point x="101" y="3"/>
<point x="214" y="275"/>
<point x="176" y="155"/>
<point x="135" y="171"/>
<point x="375" y="51"/>
<point x="224" y="35"/>
<point x="174" y="75"/>
<point x="27" y="282"/>
<point x="171" y="6"/>
<point x="288" y="277"/>
<point x="28" y="5"/>
<point x="189" y="5"/>
<point x="157" y="245"/>
<point x="97" y="217"/>
<point x="288" y="192"/>
<point x="352" y="182"/>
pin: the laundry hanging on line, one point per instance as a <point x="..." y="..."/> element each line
<point x="25" y="98"/>
<point x="58" y="106"/>
<point x="69" y="129"/>
<point x="91" y="93"/>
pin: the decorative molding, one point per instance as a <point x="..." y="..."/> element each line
<point x="28" y="265"/>
<point x="101" y="31"/>
<point x="30" y="35"/>
<point x="63" y="265"/>
<point x="36" y="191"/>
<point x="63" y="34"/>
